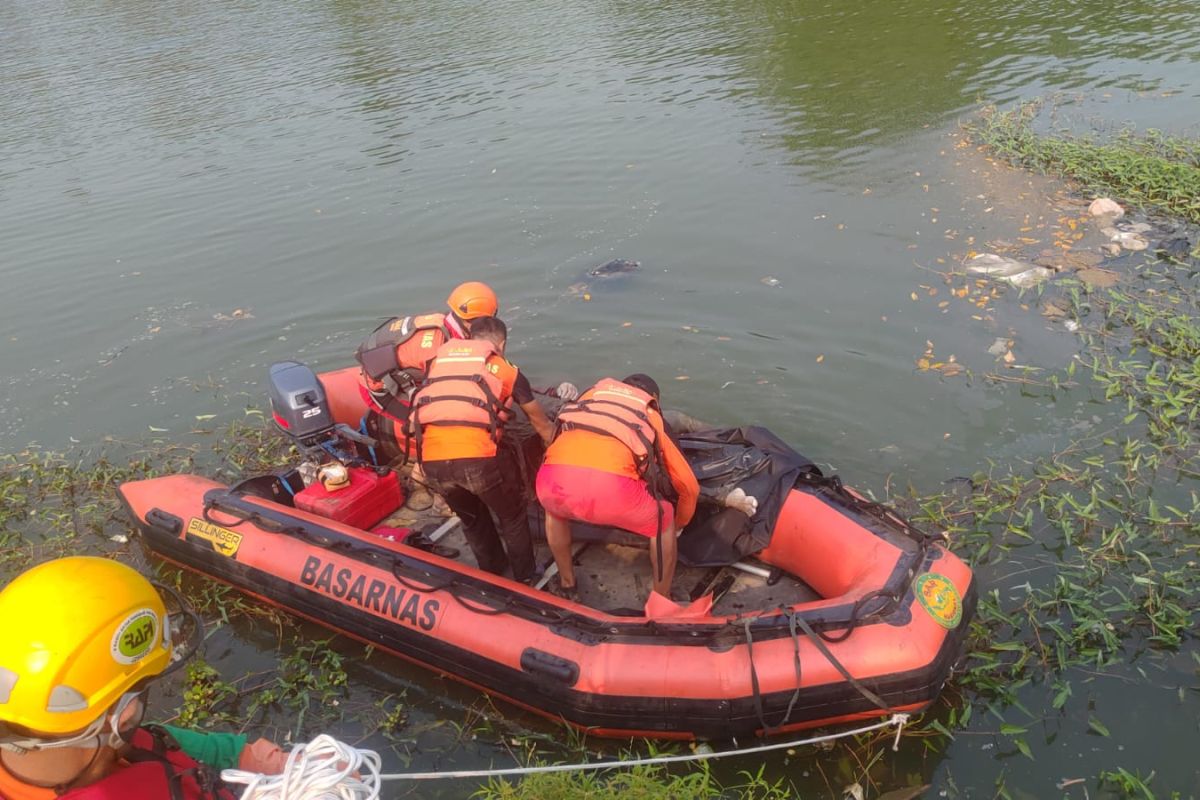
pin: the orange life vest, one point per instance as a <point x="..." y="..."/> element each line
<point x="461" y="389"/>
<point x="394" y="359"/>
<point x="616" y="409"/>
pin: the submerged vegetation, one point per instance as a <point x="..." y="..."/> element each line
<point x="1089" y="557"/>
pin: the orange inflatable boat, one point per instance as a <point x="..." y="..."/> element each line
<point x="848" y="613"/>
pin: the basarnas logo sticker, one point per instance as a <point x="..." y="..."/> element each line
<point x="938" y="596"/>
<point x="135" y="637"/>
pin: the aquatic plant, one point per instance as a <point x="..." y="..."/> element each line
<point x="639" y="783"/>
<point x="1149" y="169"/>
<point x="54" y="504"/>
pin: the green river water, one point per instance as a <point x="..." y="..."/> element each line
<point x="190" y="191"/>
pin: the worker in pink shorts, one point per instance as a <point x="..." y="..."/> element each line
<point x="612" y="464"/>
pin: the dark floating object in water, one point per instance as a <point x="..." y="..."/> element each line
<point x="618" y="266"/>
<point x="1177" y="248"/>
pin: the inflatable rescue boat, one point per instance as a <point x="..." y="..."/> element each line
<point x="823" y="608"/>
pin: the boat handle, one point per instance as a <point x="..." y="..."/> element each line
<point x="165" y="520"/>
<point x="539" y="662"/>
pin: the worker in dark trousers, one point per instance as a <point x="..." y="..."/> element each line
<point x="457" y="422"/>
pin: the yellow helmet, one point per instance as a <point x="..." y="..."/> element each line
<point x="473" y="299"/>
<point x="79" y="632"/>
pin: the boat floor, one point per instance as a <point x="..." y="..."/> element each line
<point x="615" y="578"/>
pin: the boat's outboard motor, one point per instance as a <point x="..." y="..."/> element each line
<point x="298" y="404"/>
<point x="301" y="410"/>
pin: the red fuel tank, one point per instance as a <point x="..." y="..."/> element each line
<point x="368" y="499"/>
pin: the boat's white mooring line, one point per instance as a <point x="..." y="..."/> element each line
<point x="326" y="769"/>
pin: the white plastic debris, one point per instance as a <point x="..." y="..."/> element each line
<point x="1131" y="241"/>
<point x="1103" y="205"/>
<point x="1021" y="274"/>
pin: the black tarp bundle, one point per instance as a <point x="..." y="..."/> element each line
<point x="752" y="459"/>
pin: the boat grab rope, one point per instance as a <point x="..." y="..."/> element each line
<point x="758" y="702"/>
<point x="486" y="604"/>
<point x="820" y="645"/>
<point x="326" y="769"/>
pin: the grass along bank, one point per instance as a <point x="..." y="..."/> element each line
<point x="1150" y="169"/>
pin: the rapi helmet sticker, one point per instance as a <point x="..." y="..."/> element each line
<point x="135" y="637"/>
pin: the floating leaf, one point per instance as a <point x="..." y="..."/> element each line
<point x="203" y="417"/>
<point x="1024" y="748"/>
<point x="159" y="430"/>
<point x="1098" y="726"/>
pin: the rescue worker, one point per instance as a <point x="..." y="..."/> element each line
<point x="612" y="464"/>
<point x="84" y="638"/>
<point x="396" y="354"/>
<point x="457" y="422"/>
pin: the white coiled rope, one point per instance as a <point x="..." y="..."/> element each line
<point x="326" y="769"/>
<point x="323" y="769"/>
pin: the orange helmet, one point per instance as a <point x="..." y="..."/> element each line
<point x="473" y="299"/>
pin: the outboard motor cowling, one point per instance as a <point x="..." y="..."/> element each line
<point x="298" y="403"/>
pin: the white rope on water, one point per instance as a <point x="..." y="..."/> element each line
<point x="326" y="769"/>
